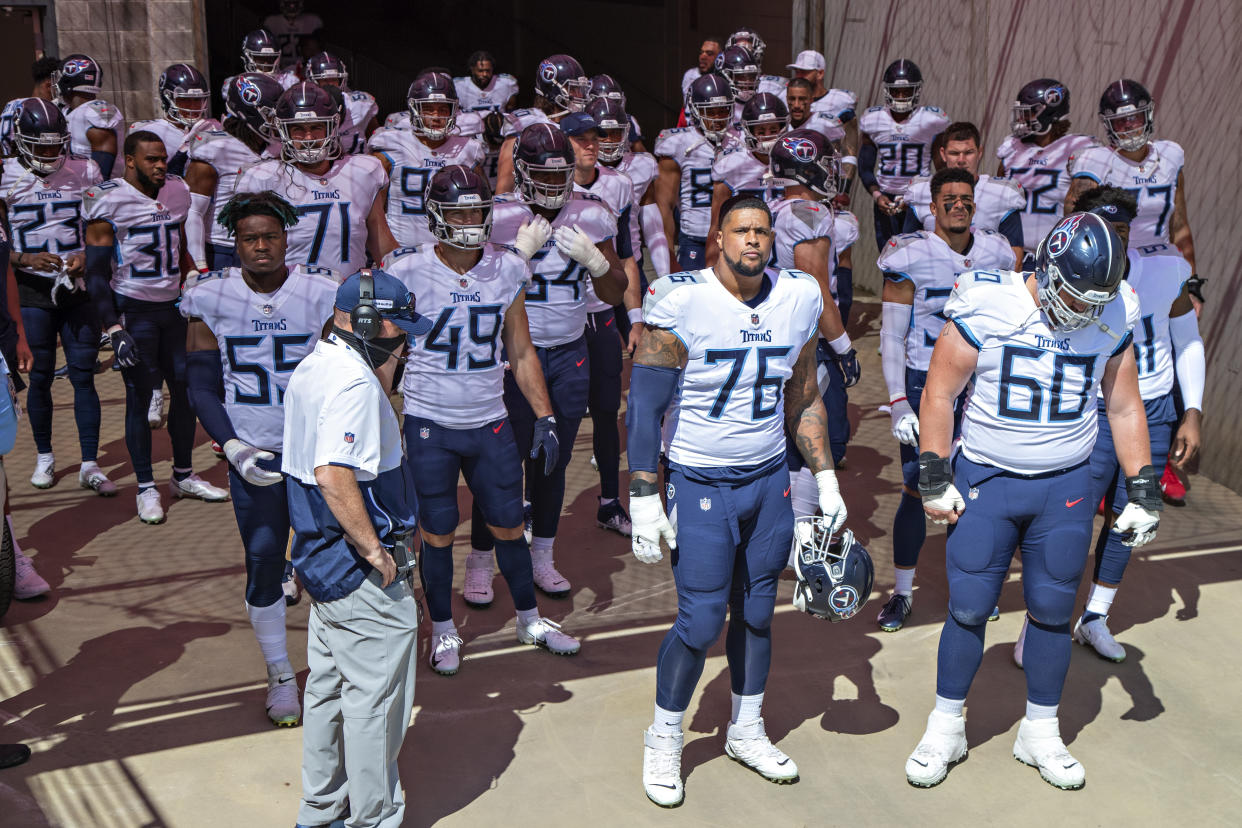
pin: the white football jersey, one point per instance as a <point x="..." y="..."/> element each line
<point x="332" y="230"/>
<point x="742" y="172"/>
<point x="903" y="149"/>
<point x="1152" y="180"/>
<point x="8" y="119"/>
<point x="520" y="119"/>
<point x="1041" y="173"/>
<point x="694" y="154"/>
<point x="731" y="392"/>
<point x="555" y="298"/>
<point x="687" y="80"/>
<point x="173" y="136"/>
<point x="97" y="114"/>
<point x="147" y="263"/>
<point x="360" y="108"/>
<point x="844" y="233"/>
<point x="413" y="165"/>
<point x="825" y="124"/>
<point x="841" y="104"/>
<point x="931" y="266"/>
<point x="262" y="338"/>
<point x="288" y="32"/>
<point x="229" y="157"/>
<point x="996" y="199"/>
<point x="1157" y="274"/>
<point x="455" y="373"/>
<point x="498" y="92"/>
<point x="615" y="190"/>
<point x="1032" y="408"/>
<point x="798" y="220"/>
<point x="45" y="212"/>
<point x="641" y="169"/>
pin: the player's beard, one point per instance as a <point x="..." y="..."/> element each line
<point x="146" y="181"/>
<point x="741" y="269"/>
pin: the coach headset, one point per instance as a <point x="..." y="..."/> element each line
<point x="365" y="319"/>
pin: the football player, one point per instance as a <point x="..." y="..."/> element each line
<point x="920" y="269"/>
<point x="185" y="99"/>
<point x="998" y="202"/>
<point x="248" y="326"/>
<point x="797" y="97"/>
<point x="340" y="200"/>
<point x="42" y="190"/>
<point x="136" y="261"/>
<point x="289" y="27"/>
<point x="1041" y="349"/>
<point x="742" y="167"/>
<point x="605" y="86"/>
<point x="95" y="126"/>
<point x="740" y="345"/>
<point x="741" y="69"/>
<point x="41" y="73"/>
<point x="685" y="156"/>
<point x="896" y="141"/>
<point x="710" y="47"/>
<point x="750" y="40"/>
<point x="411" y="156"/>
<point x="455" y="418"/>
<point x="579" y="247"/>
<point x="484" y="90"/>
<point x="361" y="112"/>
<point x="561" y="87"/>
<point x="261" y="54"/>
<point x="838" y="104"/>
<point x="1036" y="153"/>
<point x="217" y="159"/>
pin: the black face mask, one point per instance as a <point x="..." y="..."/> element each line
<point x="376" y="351"/>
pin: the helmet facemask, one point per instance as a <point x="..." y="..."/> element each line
<point x="186" y="108"/>
<point x="1134" y="134"/>
<point x="421" y="121"/>
<point x="465" y="236"/>
<point x="1067" y="308"/>
<point x="28" y="147"/>
<point x="1024" y="120"/>
<point x="906" y="102"/>
<point x="551" y="194"/>
<point x="712" y="118"/>
<point x="264" y="62"/>
<point x="763" y="143"/>
<point x="309" y="150"/>
<point x="612" y="143"/>
<point x="743" y="82"/>
<point x="820" y="566"/>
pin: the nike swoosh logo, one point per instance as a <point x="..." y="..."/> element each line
<point x="917" y="762"/>
<point x="651" y="291"/>
<point x="1070" y="765"/>
<point x="609" y="322"/>
<point x="1070" y="504"/>
<point x="286" y="681"/>
<point x="497" y="429"/>
<point x="662" y="785"/>
<point x="578" y="364"/>
<point x="787" y="491"/>
<point x="783" y="762"/>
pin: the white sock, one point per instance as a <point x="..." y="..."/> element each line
<point x="1040" y="711"/>
<point x="89" y="466"/>
<point x="480" y="559"/>
<point x="1100" y="599"/>
<point x="666" y="722"/>
<point x="269" y="629"/>
<point x="804" y="493"/>
<point x="951" y="707"/>
<point x="528" y="617"/>
<point x="747" y="709"/>
<point x="905" y="581"/>
<point x="541" y="548"/>
<point x="439" y="628"/>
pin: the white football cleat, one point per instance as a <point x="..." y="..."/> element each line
<point x="26" y="582"/>
<point x="662" y="768"/>
<point x="150" y="509"/>
<point x="749" y="744"/>
<point x="446" y="654"/>
<point x="547" y="634"/>
<point x="1095" y="634"/>
<point x="943" y="744"/>
<point x="155" y="411"/>
<point x="551" y="582"/>
<point x="282" y="695"/>
<point x="196" y="487"/>
<point x="477" y="590"/>
<point x="1039" y="745"/>
<point x="44" y="476"/>
<point x="90" y="476"/>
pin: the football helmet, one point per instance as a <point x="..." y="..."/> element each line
<point x="1040" y="104"/>
<point x="251" y="98"/>
<point x="39" y="130"/>
<point x="605" y="86"/>
<point x="709" y="106"/>
<point x="184" y="95"/>
<point x="78" y="74"/>
<point x="560" y="79"/>
<point x="834" y="574"/>
<point x="326" y="66"/>
<point x="760" y="115"/>
<point x="432" y="89"/>
<point x="902" y="75"/>
<point x="458" y="188"/>
<point x="807" y="157"/>
<point x="741" y="70"/>
<point x="749" y="39"/>
<point x="543" y="166"/>
<point x="307" y="104"/>
<point x="613" y="126"/>
<point x="260" y="52"/>
<point x="1079" y="267"/>
<point x="1128" y="114"/>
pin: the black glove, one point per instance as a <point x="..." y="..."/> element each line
<point x="546" y="439"/>
<point x="1194" y="286"/>
<point x="125" y="348"/>
<point x="848" y="362"/>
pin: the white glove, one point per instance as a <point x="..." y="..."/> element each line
<point x="950" y="500"/>
<point x="649" y="524"/>
<point x="830" y="502"/>
<point x="905" y="423"/>
<point x="245" y="458"/>
<point x="1137" y="522"/>
<point x="578" y="246"/>
<point x="531" y="237"/>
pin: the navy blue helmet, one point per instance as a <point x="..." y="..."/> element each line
<point x="613" y="126"/>
<point x="432" y="101"/>
<point x="902" y="76"/>
<point x="807" y="157"/>
<point x="741" y="69"/>
<point x="543" y="166"/>
<point x="750" y="39"/>
<point x="41" y="136"/>
<point x="1040" y="104"/>
<point x="560" y="79"/>
<point x="1079" y="267"/>
<point x="834" y="573"/>
<point x="184" y="95"/>
<point x="78" y="74"/>
<point x="709" y="106"/>
<point x="260" y="52"/>
<point x="326" y="68"/>
<point x="251" y="98"/>
<point x="764" y="113"/>
<point x="305" y="104"/>
<point x="457" y="188"/>
<point x="606" y="86"/>
<point x="1128" y="114"/>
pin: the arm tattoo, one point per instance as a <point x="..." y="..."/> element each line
<point x="804" y="412"/>
<point x="660" y="348"/>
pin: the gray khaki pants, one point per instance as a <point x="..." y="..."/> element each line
<point x="361" y="650"/>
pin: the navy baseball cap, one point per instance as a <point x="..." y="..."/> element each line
<point x="578" y="123"/>
<point x="390" y="297"/>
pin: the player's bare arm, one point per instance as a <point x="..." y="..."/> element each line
<point x="611" y="286"/>
<point x="380" y="241"/>
<point x="523" y="359"/>
<point x="504" y="166"/>
<point x="1077" y="187"/>
<point x="805" y="415"/>
<point x="1127" y="417"/>
<point x="1179" y="224"/>
<point x="102" y="140"/>
<point x="814" y="257"/>
<point x="668" y="185"/>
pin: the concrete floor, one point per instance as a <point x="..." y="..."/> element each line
<point x="139" y="685"/>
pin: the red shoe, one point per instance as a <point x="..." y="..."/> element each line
<point x="1100" y="509"/>
<point x="1172" y="487"/>
<point x="217" y="449"/>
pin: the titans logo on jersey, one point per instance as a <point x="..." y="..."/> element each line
<point x="332" y="230"/>
<point x="1152" y="180"/>
<point x="45" y="212"/>
<point x="903" y="148"/>
<point x="147" y="265"/>
<point x="97" y="114"/>
<point x="931" y="266"/>
<point x="1032" y="407"/>
<point x="1041" y="172"/>
<point x="1157" y="273"/>
<point x="455" y="372"/>
<point x="738" y="359"/>
<point x="262" y="339"/>
<point x="694" y="154"/>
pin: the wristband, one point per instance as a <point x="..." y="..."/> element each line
<point x="1143" y="489"/>
<point x="635" y="315"/>
<point x="841" y="345"/>
<point x="643" y="488"/>
<point x="935" y="474"/>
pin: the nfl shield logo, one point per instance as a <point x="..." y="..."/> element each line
<point x="424" y="433"/>
<point x="705" y="503"/>
<point x="464" y="282"/>
<point x="349" y="436"/>
<point x="754" y="319"/>
<point x="966" y="262"/>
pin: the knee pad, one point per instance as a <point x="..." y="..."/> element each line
<point x="698" y="629"/>
<point x="1052" y="605"/>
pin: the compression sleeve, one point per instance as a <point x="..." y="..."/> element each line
<point x="205" y="376"/>
<point x="1189" y="360"/>
<point x="105" y="160"/>
<point x="894" y="322"/>
<point x="653" y="236"/>
<point x="845" y="292"/>
<point x="651" y="391"/>
<point x="99" y="284"/>
<point x="196" y="229"/>
<point x="1011" y="228"/>
<point x="866" y="166"/>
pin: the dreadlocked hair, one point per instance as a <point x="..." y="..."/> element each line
<point x="245" y="205"/>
